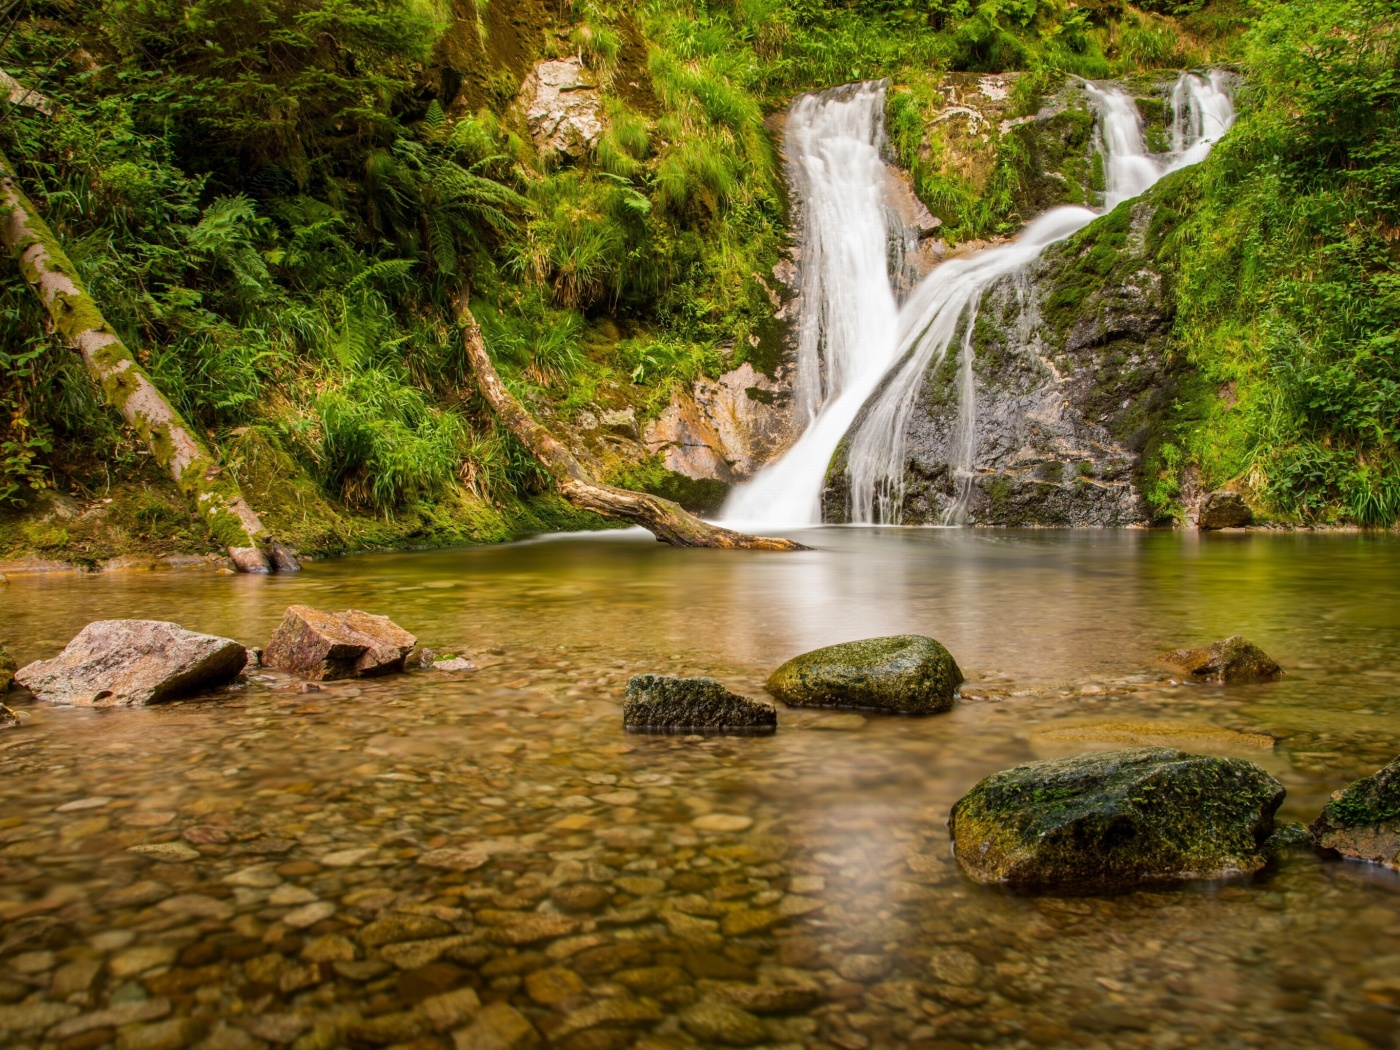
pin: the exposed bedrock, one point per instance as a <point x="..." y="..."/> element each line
<point x="1072" y="381"/>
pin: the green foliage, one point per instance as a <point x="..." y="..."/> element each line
<point x="1289" y="281"/>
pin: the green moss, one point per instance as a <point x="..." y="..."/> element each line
<point x="699" y="495"/>
<point x="906" y="673"/>
<point x="1114" y="819"/>
<point x="1364" y="803"/>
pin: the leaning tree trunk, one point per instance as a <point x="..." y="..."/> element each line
<point x="669" y="522"/>
<point x="215" y="493"/>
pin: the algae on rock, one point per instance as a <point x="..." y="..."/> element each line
<point x="907" y="673"/>
<point x="1114" y="819"/>
<point x="1363" y="819"/>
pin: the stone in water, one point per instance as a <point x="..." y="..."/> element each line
<point x="122" y="663"/>
<point x="328" y="645"/>
<point x="661" y="703"/>
<point x="907" y="673"/>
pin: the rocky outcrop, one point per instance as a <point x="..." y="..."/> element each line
<point x="124" y="663"/>
<point x="1071" y="382"/>
<point x="1234" y="659"/>
<point x="328" y="645"/>
<point x="1114" y="819"/>
<point x="8" y="667"/>
<point x="725" y="429"/>
<point x="908" y="674"/>
<point x="660" y="703"/>
<point x="1223" y="510"/>
<point x="562" y="107"/>
<point x="1363" y="819"/>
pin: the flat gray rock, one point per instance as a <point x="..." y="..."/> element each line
<point x="663" y="704"/>
<point x="125" y="663"/>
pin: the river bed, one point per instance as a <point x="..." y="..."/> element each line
<point x="336" y="866"/>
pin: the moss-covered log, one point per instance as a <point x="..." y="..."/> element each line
<point x="79" y="323"/>
<point x="667" y="521"/>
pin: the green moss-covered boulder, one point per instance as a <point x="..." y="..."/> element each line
<point x="8" y="667"/>
<point x="1112" y="819"/>
<point x="1363" y="820"/>
<point x="907" y="673"/>
<point x="1235" y="659"/>
<point x="662" y="704"/>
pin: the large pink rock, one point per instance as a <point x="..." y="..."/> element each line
<point x="350" y="644"/>
<point x="124" y="663"/>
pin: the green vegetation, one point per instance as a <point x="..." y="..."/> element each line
<point x="1288" y="273"/>
<point x="274" y="202"/>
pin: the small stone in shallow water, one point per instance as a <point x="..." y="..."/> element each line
<point x="348" y="644"/>
<point x="661" y="703"/>
<point x="453" y="665"/>
<point x="716" y="1021"/>
<point x="1363" y="819"/>
<point x="907" y="673"/>
<point x="1235" y="659"/>
<point x="454" y="859"/>
<point x="170" y="852"/>
<point x="498" y="1026"/>
<point x="722" y="822"/>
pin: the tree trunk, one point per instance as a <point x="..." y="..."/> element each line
<point x="216" y="496"/>
<point x="668" y="521"/>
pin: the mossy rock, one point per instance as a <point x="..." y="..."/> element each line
<point x="662" y="704"/>
<point x="8" y="667"/>
<point x="1363" y="819"/>
<point x="1113" y="819"/>
<point x="907" y="673"/>
<point x="1235" y="659"/>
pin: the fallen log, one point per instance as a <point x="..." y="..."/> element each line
<point x="175" y="445"/>
<point x="669" y="522"/>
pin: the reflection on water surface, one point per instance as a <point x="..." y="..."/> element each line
<point x="621" y="890"/>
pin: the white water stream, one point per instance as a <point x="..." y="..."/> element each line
<point x="854" y="340"/>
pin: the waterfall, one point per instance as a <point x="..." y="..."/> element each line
<point x="854" y="340"/>
<point x="846" y="335"/>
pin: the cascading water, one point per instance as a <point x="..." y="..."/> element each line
<point x="846" y="337"/>
<point x="876" y="346"/>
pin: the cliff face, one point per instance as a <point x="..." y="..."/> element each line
<point x="1072" y="381"/>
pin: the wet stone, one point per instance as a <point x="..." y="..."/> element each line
<point x="1363" y="819"/>
<point x="553" y="985"/>
<point x="402" y="927"/>
<point x="350" y="644"/>
<point x="1116" y="818"/>
<point x="497" y="1027"/>
<point x="661" y="703"/>
<point x="119" y="663"/>
<point x="908" y="673"/>
<point x="715" y="1021"/>
<point x="1235" y="659"/>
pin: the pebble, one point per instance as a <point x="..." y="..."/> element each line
<point x="722" y="822"/>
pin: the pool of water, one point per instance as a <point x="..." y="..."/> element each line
<point x="618" y="890"/>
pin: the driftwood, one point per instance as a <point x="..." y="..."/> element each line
<point x="175" y="445"/>
<point x="667" y="521"/>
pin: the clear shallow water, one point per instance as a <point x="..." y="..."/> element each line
<point x="833" y="876"/>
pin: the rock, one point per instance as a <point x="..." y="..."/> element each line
<point x="1116" y="818"/>
<point x="453" y="665"/>
<point x="1363" y="819"/>
<point x="715" y="1021"/>
<point x="497" y="1027"/>
<point x="562" y="107"/>
<point x="1233" y="660"/>
<point x="450" y="1009"/>
<point x="772" y="998"/>
<point x="8" y="667"/>
<point x="349" y="644"/>
<point x="120" y="663"/>
<point x="660" y="703"/>
<point x="608" y="1013"/>
<point x="1223" y="510"/>
<point x="907" y="673"/>
<point x="622" y="421"/>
